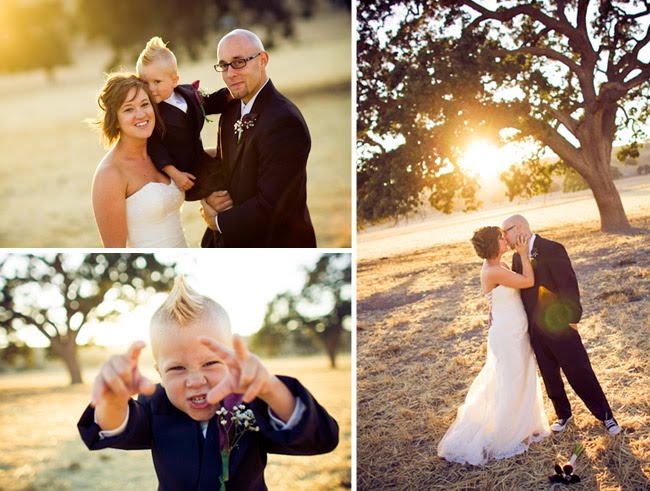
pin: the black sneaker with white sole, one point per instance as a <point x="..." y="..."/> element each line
<point x="560" y="424"/>
<point x="612" y="426"/>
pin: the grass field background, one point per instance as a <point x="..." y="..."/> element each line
<point x="421" y="340"/>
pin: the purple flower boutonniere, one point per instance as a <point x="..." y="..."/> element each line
<point x="200" y="96"/>
<point x="232" y="425"/>
<point x="244" y="124"/>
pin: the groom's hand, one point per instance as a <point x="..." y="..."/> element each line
<point x="220" y="201"/>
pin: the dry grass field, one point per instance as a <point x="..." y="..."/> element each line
<point x="421" y="337"/>
<point x="40" y="447"/>
<point x="49" y="154"/>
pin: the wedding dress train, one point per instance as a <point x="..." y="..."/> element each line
<point x="153" y="216"/>
<point x="503" y="412"/>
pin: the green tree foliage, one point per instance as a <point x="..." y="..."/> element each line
<point x="125" y="26"/>
<point x="321" y="311"/>
<point x="58" y="293"/>
<point x="433" y="75"/>
<point x="34" y="36"/>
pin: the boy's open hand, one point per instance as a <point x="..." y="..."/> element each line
<point x="119" y="378"/>
<point x="247" y="375"/>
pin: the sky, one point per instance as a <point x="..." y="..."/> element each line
<point x="242" y="281"/>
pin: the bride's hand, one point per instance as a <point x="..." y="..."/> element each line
<point x="521" y="245"/>
<point x="209" y="214"/>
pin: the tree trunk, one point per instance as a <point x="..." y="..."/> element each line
<point x="610" y="206"/>
<point x="599" y="177"/>
<point x="72" y="364"/>
<point x="331" y="341"/>
<point x="66" y="349"/>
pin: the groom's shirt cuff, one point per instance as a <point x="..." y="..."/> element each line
<point x="216" y="223"/>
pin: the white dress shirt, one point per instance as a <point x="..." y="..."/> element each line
<point x="178" y="101"/>
<point x="531" y="243"/>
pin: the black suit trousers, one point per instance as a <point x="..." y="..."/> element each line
<point x="567" y="352"/>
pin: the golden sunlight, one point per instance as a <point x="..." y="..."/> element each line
<point x="485" y="160"/>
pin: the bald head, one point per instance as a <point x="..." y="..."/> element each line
<point x="518" y="221"/>
<point x="244" y="36"/>
<point x="242" y="46"/>
<point x="513" y="226"/>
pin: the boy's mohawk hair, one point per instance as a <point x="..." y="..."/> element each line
<point x="155" y="49"/>
<point x="183" y="304"/>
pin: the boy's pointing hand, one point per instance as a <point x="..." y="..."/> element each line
<point x="119" y="378"/>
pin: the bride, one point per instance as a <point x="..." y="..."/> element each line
<point x="503" y="412"/>
<point x="134" y="204"/>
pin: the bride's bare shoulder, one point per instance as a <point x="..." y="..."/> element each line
<point x="108" y="167"/>
<point x="108" y="175"/>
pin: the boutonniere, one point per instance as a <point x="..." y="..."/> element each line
<point x="244" y="124"/>
<point x="564" y="474"/>
<point x="200" y="96"/>
<point x="232" y="425"/>
<point x="533" y="257"/>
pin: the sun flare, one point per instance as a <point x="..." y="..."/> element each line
<point x="485" y="160"/>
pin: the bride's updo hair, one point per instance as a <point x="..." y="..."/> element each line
<point x="111" y="98"/>
<point x="486" y="242"/>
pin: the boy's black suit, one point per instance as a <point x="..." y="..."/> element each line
<point x="180" y="144"/>
<point x="183" y="459"/>
<point x="267" y="176"/>
<point x="551" y="304"/>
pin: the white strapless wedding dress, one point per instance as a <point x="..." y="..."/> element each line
<point x="153" y="216"/>
<point x="503" y="412"/>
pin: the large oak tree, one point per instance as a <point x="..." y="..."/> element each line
<point x="59" y="293"/>
<point x="570" y="76"/>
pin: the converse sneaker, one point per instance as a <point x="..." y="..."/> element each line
<point x="560" y="424"/>
<point x="612" y="426"/>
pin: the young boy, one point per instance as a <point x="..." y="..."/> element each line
<point x="179" y="153"/>
<point x="185" y="419"/>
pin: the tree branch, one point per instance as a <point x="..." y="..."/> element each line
<point x="570" y="123"/>
<point x="506" y="14"/>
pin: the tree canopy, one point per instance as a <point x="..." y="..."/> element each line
<point x="58" y="293"/>
<point x="566" y="76"/>
<point x="322" y="310"/>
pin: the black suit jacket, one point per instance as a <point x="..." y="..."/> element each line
<point x="183" y="459"/>
<point x="554" y="300"/>
<point x="267" y="176"/>
<point x="180" y="144"/>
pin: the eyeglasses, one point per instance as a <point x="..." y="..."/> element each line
<point x="236" y="64"/>
<point x="509" y="228"/>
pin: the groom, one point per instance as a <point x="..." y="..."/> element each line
<point x="553" y="308"/>
<point x="263" y="142"/>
